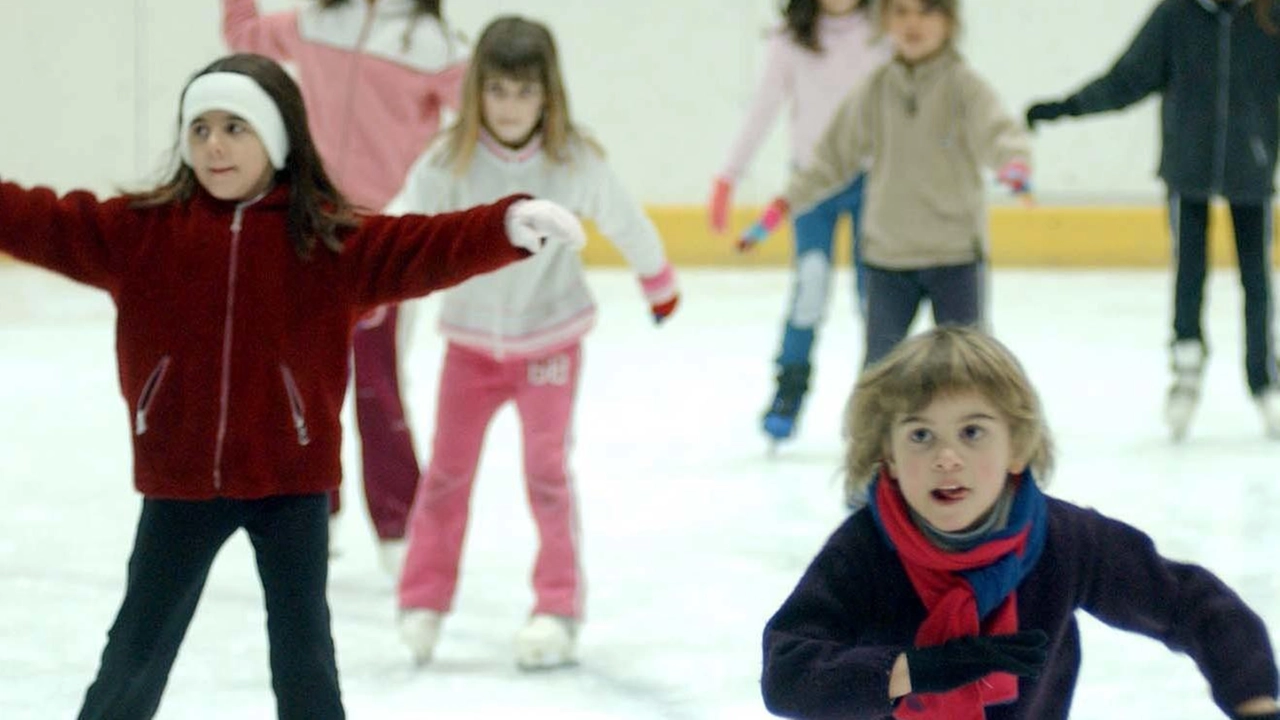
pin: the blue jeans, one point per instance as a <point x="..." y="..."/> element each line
<point x="811" y="268"/>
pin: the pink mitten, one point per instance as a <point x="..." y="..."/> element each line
<point x="718" y="208"/>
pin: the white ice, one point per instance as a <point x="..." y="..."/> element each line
<point x="693" y="535"/>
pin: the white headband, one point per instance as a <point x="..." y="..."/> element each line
<point x="239" y="95"/>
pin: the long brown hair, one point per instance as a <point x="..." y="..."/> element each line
<point x="513" y="47"/>
<point x="801" y="19"/>
<point x="318" y="212"/>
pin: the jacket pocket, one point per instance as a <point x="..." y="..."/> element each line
<point x="148" y="395"/>
<point x="297" y="410"/>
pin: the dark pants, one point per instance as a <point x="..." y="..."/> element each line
<point x="956" y="293"/>
<point x="1189" y="221"/>
<point x="389" y="462"/>
<point x="174" y="549"/>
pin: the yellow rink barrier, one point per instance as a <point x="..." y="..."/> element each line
<point x="1037" y="237"/>
<point x="1045" y="236"/>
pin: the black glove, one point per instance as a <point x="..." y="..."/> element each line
<point x="1268" y="716"/>
<point x="958" y="662"/>
<point x="1048" y="111"/>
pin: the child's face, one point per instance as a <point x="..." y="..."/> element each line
<point x="837" y="7"/>
<point x="512" y="108"/>
<point x="227" y="156"/>
<point x="918" y="33"/>
<point x="952" y="459"/>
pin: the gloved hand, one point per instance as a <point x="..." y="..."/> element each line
<point x="1042" y="111"/>
<point x="661" y="291"/>
<point x="1016" y="176"/>
<point x="958" y="662"/>
<point x="663" y="310"/>
<point x="773" y="216"/>
<point x="718" y="207"/>
<point x="532" y="223"/>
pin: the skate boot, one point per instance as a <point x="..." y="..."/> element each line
<point x="419" y="631"/>
<point x="391" y="556"/>
<point x="1269" y="403"/>
<point x="546" y="642"/>
<point x="1188" y="357"/>
<point x="779" y="421"/>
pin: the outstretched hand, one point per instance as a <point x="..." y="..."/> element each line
<point x="1040" y="112"/>
<point x="965" y="660"/>
<point x="532" y="223"/>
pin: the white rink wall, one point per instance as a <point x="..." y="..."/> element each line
<point x="91" y="86"/>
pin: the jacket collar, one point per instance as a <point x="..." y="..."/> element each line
<point x="927" y="70"/>
<point x="1214" y="6"/>
<point x="508" y="154"/>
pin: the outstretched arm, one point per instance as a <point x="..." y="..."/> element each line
<point x="69" y="235"/>
<point x="245" y="30"/>
<point x="1142" y="69"/>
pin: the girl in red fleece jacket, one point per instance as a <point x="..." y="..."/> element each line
<point x="237" y="285"/>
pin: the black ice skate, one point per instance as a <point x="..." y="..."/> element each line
<point x="779" y="421"/>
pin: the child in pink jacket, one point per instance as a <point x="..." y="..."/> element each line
<point x="376" y="76"/>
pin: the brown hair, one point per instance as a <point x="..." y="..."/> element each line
<point x="949" y="8"/>
<point x="420" y="8"/>
<point x="1262" y="12"/>
<point x="943" y="361"/>
<point x="318" y="212"/>
<point x="801" y="19"/>
<point x="514" y="47"/>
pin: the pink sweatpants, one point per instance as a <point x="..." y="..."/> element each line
<point x="473" y="386"/>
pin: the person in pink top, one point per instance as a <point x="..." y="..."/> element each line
<point x="824" y="49"/>
<point x="376" y="75"/>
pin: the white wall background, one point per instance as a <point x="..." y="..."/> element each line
<point x="89" y="87"/>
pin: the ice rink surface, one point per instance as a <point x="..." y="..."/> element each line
<point x="693" y="534"/>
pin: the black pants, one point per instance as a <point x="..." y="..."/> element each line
<point x="956" y="293"/>
<point x="1189" y="220"/>
<point x="174" y="549"/>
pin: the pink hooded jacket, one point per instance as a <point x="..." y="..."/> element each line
<point x="374" y="78"/>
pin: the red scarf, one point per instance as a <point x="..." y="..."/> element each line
<point x="952" y="607"/>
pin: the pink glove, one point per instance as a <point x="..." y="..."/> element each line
<point x="718" y="209"/>
<point x="773" y="216"/>
<point x="1016" y="176"/>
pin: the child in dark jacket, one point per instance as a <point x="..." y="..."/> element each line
<point x="1216" y="64"/>
<point x="237" y="285"/>
<point x="952" y="593"/>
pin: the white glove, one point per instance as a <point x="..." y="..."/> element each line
<point x="532" y="223"/>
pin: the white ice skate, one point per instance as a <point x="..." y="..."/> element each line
<point x="546" y="642"/>
<point x="419" y="630"/>
<point x="1269" y="404"/>
<point x="1184" y="395"/>
<point x="391" y="556"/>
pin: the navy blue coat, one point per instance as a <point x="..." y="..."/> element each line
<point x="829" y="648"/>
<point x="1218" y="74"/>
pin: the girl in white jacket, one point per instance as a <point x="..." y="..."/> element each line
<point x="515" y="335"/>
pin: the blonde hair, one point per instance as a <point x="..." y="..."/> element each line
<point x="944" y="361"/>
<point x="513" y="47"/>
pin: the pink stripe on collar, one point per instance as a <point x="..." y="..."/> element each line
<point x="507" y="154"/>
